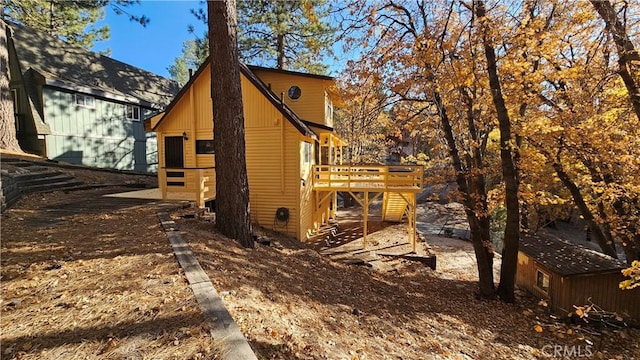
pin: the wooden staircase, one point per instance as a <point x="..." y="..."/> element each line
<point x="394" y="206"/>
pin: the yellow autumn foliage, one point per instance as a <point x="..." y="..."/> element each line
<point x="633" y="272"/>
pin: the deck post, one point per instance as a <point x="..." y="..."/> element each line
<point x="316" y="216"/>
<point x="334" y="204"/>
<point x="414" y="219"/>
<point x="163" y="182"/>
<point x="329" y="151"/>
<point x="201" y="187"/>
<point x="366" y="220"/>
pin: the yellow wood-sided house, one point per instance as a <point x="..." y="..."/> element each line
<point x="294" y="157"/>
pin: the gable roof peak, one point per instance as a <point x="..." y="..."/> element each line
<point x="290" y="72"/>
<point x="291" y="116"/>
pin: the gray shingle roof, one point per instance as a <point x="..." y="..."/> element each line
<point x="57" y="60"/>
<point x="567" y="259"/>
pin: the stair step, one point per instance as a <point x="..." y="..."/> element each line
<point x="35" y="172"/>
<point x="50" y="187"/>
<point x="18" y="163"/>
<point x="52" y="179"/>
<point x="36" y="175"/>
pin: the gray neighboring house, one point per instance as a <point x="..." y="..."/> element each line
<point x="81" y="107"/>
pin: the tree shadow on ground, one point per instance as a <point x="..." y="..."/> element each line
<point x="419" y="300"/>
<point x="80" y="225"/>
<point x="154" y="327"/>
<point x="304" y="274"/>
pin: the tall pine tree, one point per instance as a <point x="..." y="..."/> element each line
<point x="232" y="187"/>
<point x="292" y="35"/>
<point x="73" y="21"/>
<point x="8" y="138"/>
<point x="191" y="58"/>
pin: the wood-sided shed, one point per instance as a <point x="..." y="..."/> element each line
<point x="568" y="274"/>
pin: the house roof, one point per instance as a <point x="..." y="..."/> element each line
<point x="319" y="126"/>
<point x="288" y="72"/>
<point x="260" y="85"/>
<point x="567" y="259"/>
<point x="69" y="66"/>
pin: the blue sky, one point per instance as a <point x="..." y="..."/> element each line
<point x="153" y="47"/>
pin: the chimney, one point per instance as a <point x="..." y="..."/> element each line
<point x="190" y="73"/>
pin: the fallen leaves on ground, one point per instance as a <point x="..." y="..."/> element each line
<point x="293" y="303"/>
<point x="87" y="278"/>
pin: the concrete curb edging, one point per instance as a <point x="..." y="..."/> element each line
<point x="226" y="334"/>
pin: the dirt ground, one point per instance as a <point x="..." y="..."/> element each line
<point x="293" y="303"/>
<point x="87" y="277"/>
<point x="84" y="277"/>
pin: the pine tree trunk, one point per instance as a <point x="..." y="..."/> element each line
<point x="232" y="188"/>
<point x="281" y="57"/>
<point x="628" y="57"/>
<point x="8" y="136"/>
<point x="512" y="229"/>
<point x="479" y="226"/>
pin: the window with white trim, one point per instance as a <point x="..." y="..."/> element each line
<point x="542" y="281"/>
<point x="328" y="112"/>
<point x="307" y="152"/>
<point x="132" y="112"/>
<point x="85" y="100"/>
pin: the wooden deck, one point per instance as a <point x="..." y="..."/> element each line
<point x="399" y="184"/>
<point x="371" y="178"/>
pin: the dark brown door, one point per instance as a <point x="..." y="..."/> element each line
<point x="173" y="152"/>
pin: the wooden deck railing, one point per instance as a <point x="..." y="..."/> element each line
<point x="368" y="178"/>
<point x="196" y="184"/>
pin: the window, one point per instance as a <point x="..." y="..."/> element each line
<point x="542" y="281"/>
<point x="204" y="146"/>
<point x="307" y="152"/>
<point x="85" y="100"/>
<point x="294" y="93"/>
<point x="328" y="112"/>
<point x="132" y="112"/>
